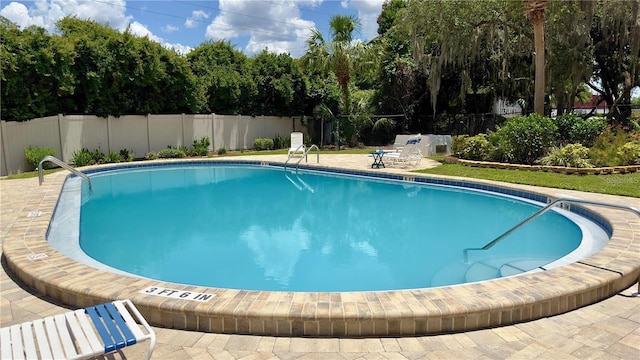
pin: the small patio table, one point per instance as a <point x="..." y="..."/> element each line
<point x="377" y="158"/>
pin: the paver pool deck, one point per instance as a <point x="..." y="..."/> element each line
<point x="608" y="329"/>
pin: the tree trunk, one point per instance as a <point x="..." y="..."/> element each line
<point x="538" y="35"/>
<point x="534" y="10"/>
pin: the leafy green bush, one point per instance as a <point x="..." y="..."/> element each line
<point x="112" y="157"/>
<point x="279" y="142"/>
<point x="150" y="156"/>
<point x="83" y="157"/>
<point x="572" y="128"/>
<point x="97" y="156"/>
<point x="606" y="148"/>
<point x="586" y="131"/>
<point x="629" y="153"/>
<point x="34" y="155"/>
<point x="221" y="151"/>
<point x="471" y="148"/>
<point x="171" y="153"/>
<point x="263" y="144"/>
<point x="565" y="123"/>
<point x="127" y="155"/>
<point x="571" y="155"/>
<point x="201" y="147"/>
<point x="523" y="139"/>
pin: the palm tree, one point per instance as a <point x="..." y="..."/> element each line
<point x="340" y="56"/>
<point x="534" y="11"/>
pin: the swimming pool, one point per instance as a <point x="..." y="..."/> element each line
<point x="310" y="231"/>
<point x="346" y="314"/>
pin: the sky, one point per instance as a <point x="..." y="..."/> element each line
<point x="281" y="26"/>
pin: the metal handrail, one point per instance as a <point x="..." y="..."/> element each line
<point x="63" y="165"/>
<point x="547" y="208"/>
<point x="304" y="156"/>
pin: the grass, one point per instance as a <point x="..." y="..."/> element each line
<point x="614" y="184"/>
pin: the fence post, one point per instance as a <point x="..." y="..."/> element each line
<point x="60" y="138"/>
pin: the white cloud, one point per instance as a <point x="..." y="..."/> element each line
<point x="196" y="17"/>
<point x="141" y="30"/>
<point x="170" y="28"/>
<point x="368" y="11"/>
<point x="45" y="13"/>
<point x="278" y="27"/>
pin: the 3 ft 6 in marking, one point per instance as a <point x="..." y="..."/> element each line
<point x="177" y="294"/>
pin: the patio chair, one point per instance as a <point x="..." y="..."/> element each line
<point x="409" y="155"/>
<point x="80" y="334"/>
<point x="297" y="144"/>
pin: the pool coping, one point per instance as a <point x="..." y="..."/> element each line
<point x="352" y="314"/>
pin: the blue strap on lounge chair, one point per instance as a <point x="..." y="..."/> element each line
<point x="72" y="335"/>
<point x="112" y="334"/>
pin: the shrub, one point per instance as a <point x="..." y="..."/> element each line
<point x="629" y="153"/>
<point x="565" y="123"/>
<point x="572" y="155"/>
<point x="34" y="155"/>
<point x="201" y="147"/>
<point x="221" y="151"/>
<point x="112" y="157"/>
<point x="586" y="131"/>
<point x="471" y="148"/>
<point x="606" y="147"/>
<point x="150" y="156"/>
<point x="171" y="153"/>
<point x="523" y="139"/>
<point x="279" y="142"/>
<point x="127" y="155"/>
<point x="83" y="157"/>
<point x="263" y="144"/>
<point x="572" y="128"/>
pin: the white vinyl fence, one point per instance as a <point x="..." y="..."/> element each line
<point x="140" y="134"/>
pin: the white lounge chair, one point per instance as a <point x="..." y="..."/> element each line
<point x="297" y="144"/>
<point x="409" y="155"/>
<point x="79" y="334"/>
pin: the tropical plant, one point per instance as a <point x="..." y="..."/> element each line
<point x="571" y="155"/>
<point x="629" y="153"/>
<point x="606" y="148"/>
<point x="340" y="55"/>
<point x="200" y="147"/>
<point x="83" y="157"/>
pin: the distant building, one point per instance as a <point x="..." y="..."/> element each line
<point x="507" y="109"/>
<point x="586" y="107"/>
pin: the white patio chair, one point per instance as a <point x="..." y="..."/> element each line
<point x="80" y="334"/>
<point x="297" y="144"/>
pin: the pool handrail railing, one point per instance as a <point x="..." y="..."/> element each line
<point x="546" y="208"/>
<point x="304" y="156"/>
<point x="62" y="164"/>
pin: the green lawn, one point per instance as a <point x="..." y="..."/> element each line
<point x="615" y="184"/>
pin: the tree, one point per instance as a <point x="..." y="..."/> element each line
<point x="223" y="75"/>
<point x="452" y="38"/>
<point x="534" y="10"/>
<point x="340" y="56"/>
<point x="280" y="84"/>
<point x="37" y="73"/>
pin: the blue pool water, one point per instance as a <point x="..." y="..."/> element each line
<point x="261" y="228"/>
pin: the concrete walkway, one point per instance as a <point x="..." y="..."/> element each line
<point x="609" y="329"/>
